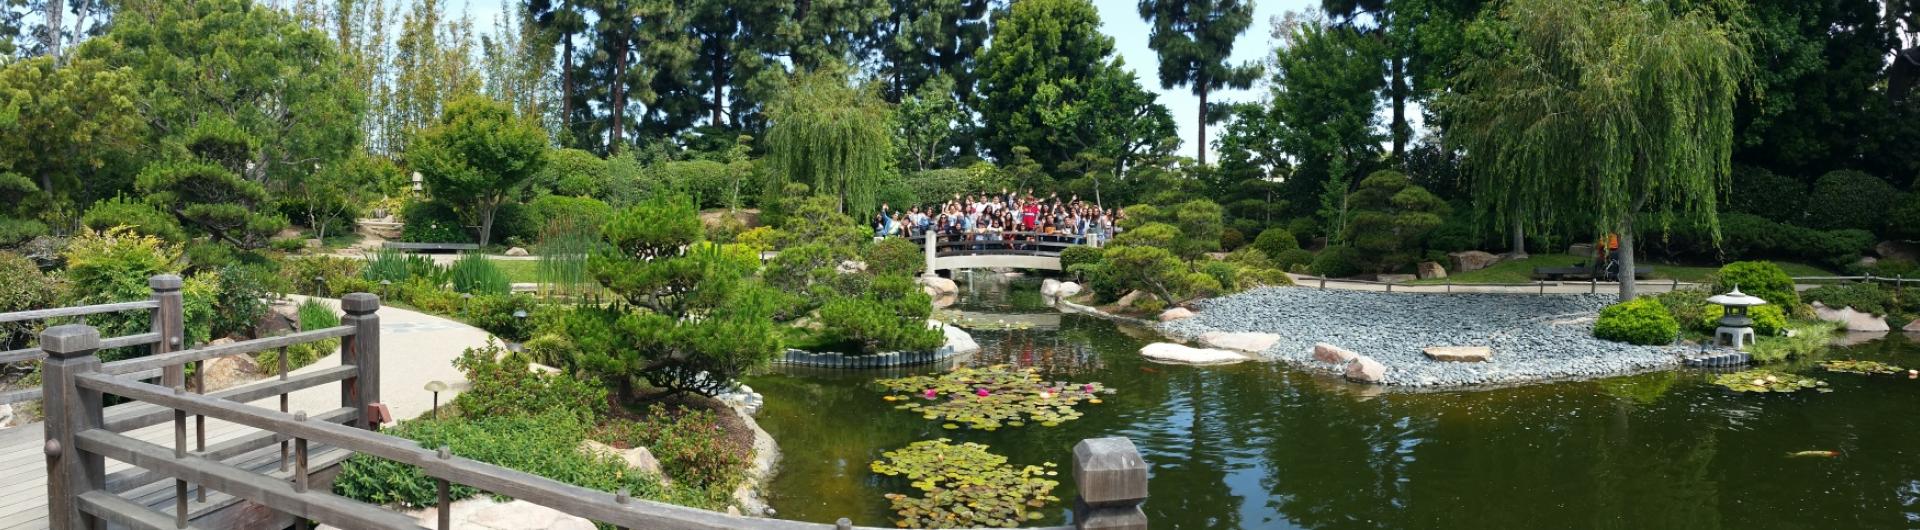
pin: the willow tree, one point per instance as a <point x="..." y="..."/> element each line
<point x="834" y="137"/>
<point x="1609" y="113"/>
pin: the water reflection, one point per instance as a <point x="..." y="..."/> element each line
<point x="1264" y="446"/>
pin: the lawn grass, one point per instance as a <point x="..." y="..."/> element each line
<point x="1522" y="271"/>
<point x="519" y="271"/>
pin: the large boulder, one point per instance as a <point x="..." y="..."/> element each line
<point x="1429" y="270"/>
<point x="936" y="286"/>
<point x="230" y="371"/>
<point x="6" y="416"/>
<point x="1127" y="300"/>
<point x="1912" y="327"/>
<point x="638" y="458"/>
<point x="1330" y="354"/>
<point x="1167" y="352"/>
<point x="958" y="340"/>
<point x="1067" y="290"/>
<point x="1249" y="342"/>
<point x="1364" y="369"/>
<point x="1472" y="260"/>
<point x="517" y="252"/>
<point x="1049" y="288"/>
<point x="1459" y="354"/>
<point x="1178" y="313"/>
<point x="1854" y="320"/>
<point x="1897" y="250"/>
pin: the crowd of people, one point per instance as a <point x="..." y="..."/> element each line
<point x="1007" y="215"/>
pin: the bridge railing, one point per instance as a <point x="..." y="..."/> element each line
<point x="1037" y="244"/>
<point x="168" y="324"/>
<point x="1110" y="474"/>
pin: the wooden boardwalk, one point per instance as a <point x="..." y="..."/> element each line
<point x="421" y="348"/>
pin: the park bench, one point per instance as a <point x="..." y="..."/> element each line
<point x="1580" y="272"/>
<point x="424" y="247"/>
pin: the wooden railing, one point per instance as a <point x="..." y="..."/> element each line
<point x="168" y="324"/>
<point x="1110" y="473"/>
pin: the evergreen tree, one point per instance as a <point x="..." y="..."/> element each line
<point x="1194" y="39"/>
<point x="1045" y="54"/>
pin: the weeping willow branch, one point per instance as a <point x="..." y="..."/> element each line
<point x="833" y="137"/>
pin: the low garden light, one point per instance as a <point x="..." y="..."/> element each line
<point x="1736" y="328"/>
<point x="519" y="323"/>
<point x="436" y="387"/>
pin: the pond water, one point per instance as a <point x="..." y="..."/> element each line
<point x="1260" y="445"/>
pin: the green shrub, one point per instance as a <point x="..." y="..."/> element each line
<point x="542" y="212"/>
<point x="1758" y="278"/>
<point x="1304" y="227"/>
<point x="1768" y="320"/>
<point x="1232" y="238"/>
<point x="1225" y="276"/>
<point x="1336" y="262"/>
<point x="1640" y="321"/>
<point x="1690" y="306"/>
<point x="309" y="274"/>
<point x="494" y="313"/>
<point x="692" y="446"/>
<point x="433" y="222"/>
<point x="1767" y="194"/>
<point x="1148" y="305"/>
<point x="501" y="384"/>
<point x="1276" y="241"/>
<point x="890" y="316"/>
<point x="313" y="315"/>
<point x="426" y="295"/>
<point x="243" y="290"/>
<point x="26" y="288"/>
<point x="1076" y="255"/>
<point x="142" y="217"/>
<point x="111" y="267"/>
<point x="1904" y="221"/>
<point x="477" y="275"/>
<point x="1746" y="236"/>
<point x="706" y="181"/>
<point x="1806" y="340"/>
<point x="1296" y="260"/>
<point x="1850" y="199"/>
<point x="545" y="445"/>
<point x="14" y="232"/>
<point x="1864" y="297"/>
<point x="896" y="256"/>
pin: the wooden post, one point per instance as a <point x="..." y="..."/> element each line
<point x="71" y="350"/>
<point x="362" y="350"/>
<point x="1113" y="482"/>
<point x="169" y="320"/>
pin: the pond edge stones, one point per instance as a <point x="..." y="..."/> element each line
<point x="1168" y="352"/>
<point x="1459" y="354"/>
<point x="1355" y="367"/>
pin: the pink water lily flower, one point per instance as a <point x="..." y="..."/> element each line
<point x="930" y="394"/>
<point x="981" y="392"/>
<point x="1088" y="388"/>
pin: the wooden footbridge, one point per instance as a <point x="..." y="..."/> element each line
<point x="1001" y="250"/>
<point x="152" y="464"/>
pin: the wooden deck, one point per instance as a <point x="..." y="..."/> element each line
<point x="23" y="466"/>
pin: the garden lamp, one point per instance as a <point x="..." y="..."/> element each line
<point x="436" y="388"/>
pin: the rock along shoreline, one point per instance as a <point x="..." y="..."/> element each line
<point x="1534" y="338"/>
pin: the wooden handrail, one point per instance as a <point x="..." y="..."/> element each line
<point x="212" y="352"/>
<point x="76" y="311"/>
<point x="34" y="354"/>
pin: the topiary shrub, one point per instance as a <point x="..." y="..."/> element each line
<point x="1296" y="260"/>
<point x="1865" y="297"/>
<point x="896" y="256"/>
<point x="1336" y="262"/>
<point x="1225" y="276"/>
<point x="432" y="222"/>
<point x="14" y="232"/>
<point x="1758" y="278"/>
<point x="1771" y="195"/>
<point x="1276" y="241"/>
<point x="1850" y="199"/>
<point x="1232" y="238"/>
<point x="1643" y="321"/>
<point x="1077" y="255"/>
<point x="142" y="217"/>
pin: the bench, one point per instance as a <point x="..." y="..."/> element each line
<point x="1580" y="272"/>
<point x="421" y="247"/>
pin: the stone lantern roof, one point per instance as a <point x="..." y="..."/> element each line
<point x="1735" y="298"/>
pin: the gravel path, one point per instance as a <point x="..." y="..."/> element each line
<point x="1533" y="337"/>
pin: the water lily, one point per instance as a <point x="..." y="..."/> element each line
<point x="980" y="392"/>
<point x="1088" y="388"/>
<point x="930" y="394"/>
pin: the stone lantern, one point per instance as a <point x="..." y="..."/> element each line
<point x="1736" y="328"/>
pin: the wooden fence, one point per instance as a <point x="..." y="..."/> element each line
<point x="168" y="323"/>
<point x="1110" y="473"/>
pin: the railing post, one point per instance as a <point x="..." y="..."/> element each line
<point x="71" y="351"/>
<point x="1113" y="482"/>
<point x="169" y="320"/>
<point x="931" y="238"/>
<point x="362" y="350"/>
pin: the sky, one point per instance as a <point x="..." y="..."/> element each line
<point x="1120" y="19"/>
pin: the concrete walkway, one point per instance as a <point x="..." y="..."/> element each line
<point x="1565" y="287"/>
<point x="414" y="348"/>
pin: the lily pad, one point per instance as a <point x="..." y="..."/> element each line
<point x="964" y="485"/>
<point x="1861" y="367"/>
<point x="991" y="397"/>
<point x="1769" y="381"/>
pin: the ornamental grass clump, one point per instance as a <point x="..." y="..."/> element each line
<point x="477" y="275"/>
<point x="964" y="485"/>
<point x="1769" y="381"/>
<point x="1642" y="321"/>
<point x="991" y="397"/>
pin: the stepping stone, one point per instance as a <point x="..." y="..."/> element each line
<point x="1459" y="354"/>
<point x="1167" y="352"/>
<point x="1249" y="342"/>
<point x="1330" y="354"/>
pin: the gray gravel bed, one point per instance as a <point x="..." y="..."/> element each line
<point x="1533" y="337"/>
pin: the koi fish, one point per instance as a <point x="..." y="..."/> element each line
<point x="1809" y="454"/>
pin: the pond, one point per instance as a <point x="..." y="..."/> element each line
<point x="1260" y="445"/>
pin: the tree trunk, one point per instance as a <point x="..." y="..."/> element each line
<point x="1627" y="290"/>
<point x="486" y="222"/>
<point x="719" y="90"/>
<point x="1519" y="239"/>
<point x="1400" y="129"/>
<point x="566" y="82"/>
<point x="1202" y="147"/>
<point x="619" y="99"/>
<point x="55" y="9"/>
